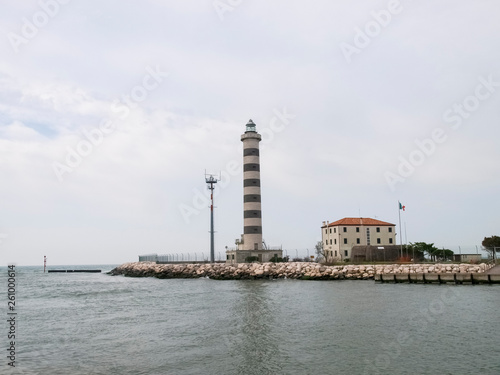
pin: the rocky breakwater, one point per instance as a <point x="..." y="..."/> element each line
<point x="293" y="270"/>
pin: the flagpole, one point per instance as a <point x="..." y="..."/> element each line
<point x="400" y="229"/>
<point x="406" y="241"/>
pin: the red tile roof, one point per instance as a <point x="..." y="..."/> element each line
<point x="358" y="221"/>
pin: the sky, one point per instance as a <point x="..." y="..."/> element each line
<point x="112" y="112"/>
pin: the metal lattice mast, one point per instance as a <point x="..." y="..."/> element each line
<point x="211" y="181"/>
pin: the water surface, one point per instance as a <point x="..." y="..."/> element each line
<point x="100" y="324"/>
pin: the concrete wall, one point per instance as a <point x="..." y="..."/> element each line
<point x="361" y="254"/>
<point x="467" y="257"/>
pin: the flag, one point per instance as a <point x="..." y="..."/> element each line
<point x="401" y="207"/>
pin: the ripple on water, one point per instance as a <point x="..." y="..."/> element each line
<point x="98" y="324"/>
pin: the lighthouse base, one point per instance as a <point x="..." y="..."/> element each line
<point x="248" y="256"/>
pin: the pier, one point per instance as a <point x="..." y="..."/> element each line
<point x="75" y="271"/>
<point x="436" y="278"/>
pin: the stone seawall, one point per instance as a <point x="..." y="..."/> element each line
<point x="294" y="270"/>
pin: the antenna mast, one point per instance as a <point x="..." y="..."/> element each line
<point x="211" y="181"/>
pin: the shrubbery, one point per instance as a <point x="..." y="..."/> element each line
<point x="279" y="260"/>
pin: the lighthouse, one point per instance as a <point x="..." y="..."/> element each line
<point x="252" y="209"/>
<point x="251" y="246"/>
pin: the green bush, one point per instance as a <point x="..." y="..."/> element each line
<point x="279" y="260"/>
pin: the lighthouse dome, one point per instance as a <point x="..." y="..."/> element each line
<point x="251" y="127"/>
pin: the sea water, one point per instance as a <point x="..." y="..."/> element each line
<point x="77" y="323"/>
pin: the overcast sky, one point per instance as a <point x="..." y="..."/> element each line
<point x="111" y="111"/>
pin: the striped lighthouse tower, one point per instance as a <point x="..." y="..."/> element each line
<point x="252" y="213"/>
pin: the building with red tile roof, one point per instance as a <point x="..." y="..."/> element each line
<point x="340" y="236"/>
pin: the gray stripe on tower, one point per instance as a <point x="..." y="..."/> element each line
<point x="249" y="214"/>
<point x="251" y="198"/>
<point x="251" y="152"/>
<point x="251" y="182"/>
<point x="251" y="167"/>
<point x="253" y="230"/>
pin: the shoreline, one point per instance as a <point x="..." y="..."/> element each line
<point x="291" y="270"/>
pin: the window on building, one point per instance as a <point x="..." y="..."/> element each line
<point x="331" y="241"/>
<point x="330" y="230"/>
<point x="227" y="256"/>
<point x="232" y="256"/>
<point x="357" y="229"/>
<point x="346" y="253"/>
<point x="326" y="231"/>
<point x="390" y="240"/>
<point x="335" y="252"/>
<point x="390" y="229"/>
<point x="345" y="241"/>
<point x="378" y="240"/>
<point x="358" y="241"/>
<point x="378" y="229"/>
<point x="334" y="230"/>
<point x="335" y="241"/>
<point x="326" y="242"/>
<point x="345" y="229"/>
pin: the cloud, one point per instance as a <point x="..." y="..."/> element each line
<point x="353" y="121"/>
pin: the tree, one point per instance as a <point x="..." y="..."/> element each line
<point x="444" y="254"/>
<point x="425" y="248"/>
<point x="277" y="259"/>
<point x="320" y="252"/>
<point x="433" y="252"/>
<point x="414" y="252"/>
<point x="491" y="245"/>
